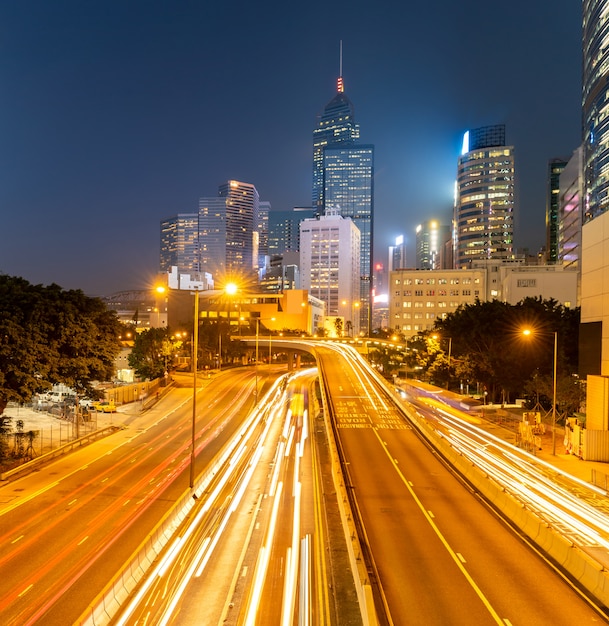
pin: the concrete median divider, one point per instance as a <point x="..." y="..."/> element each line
<point x="574" y="561"/>
<point x="356" y="557"/>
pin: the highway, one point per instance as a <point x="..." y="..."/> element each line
<point x="442" y="556"/>
<point x="258" y="538"/>
<point x="69" y="527"/>
<point x="264" y="541"/>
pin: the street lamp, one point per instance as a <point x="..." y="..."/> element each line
<point x="527" y="332"/>
<point x="195" y="350"/>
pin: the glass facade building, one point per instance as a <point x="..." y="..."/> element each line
<point x="555" y="169"/>
<point x="348" y="189"/>
<point x="226" y="230"/>
<point x="595" y="107"/>
<point x="336" y="125"/>
<point x="483" y="223"/>
<point x="284" y="229"/>
<point x="430" y="239"/>
<point x="179" y="243"/>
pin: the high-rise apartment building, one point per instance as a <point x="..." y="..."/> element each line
<point x="555" y="169"/>
<point x="430" y="239"/>
<point x="179" y="243"/>
<point x="329" y="263"/>
<point x="484" y="203"/>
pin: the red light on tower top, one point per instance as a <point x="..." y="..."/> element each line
<point x="340" y="85"/>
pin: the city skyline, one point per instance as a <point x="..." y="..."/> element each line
<point x="118" y="117"/>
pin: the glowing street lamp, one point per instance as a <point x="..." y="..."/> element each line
<point x="528" y="332"/>
<point x="195" y="350"/>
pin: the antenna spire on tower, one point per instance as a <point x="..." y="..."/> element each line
<point x="340" y="84"/>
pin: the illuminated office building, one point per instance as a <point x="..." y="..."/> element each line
<point x="329" y="263"/>
<point x="430" y="239"/>
<point x="179" y="243"/>
<point x="343" y="172"/>
<point x="227" y="237"/>
<point x="483" y="224"/>
<point x="594" y="333"/>
<point x="348" y="189"/>
<point x="284" y="229"/>
<point x="336" y="126"/>
<point x="555" y="169"/>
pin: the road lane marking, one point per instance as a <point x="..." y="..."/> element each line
<point x="82" y="540"/>
<point x="444" y="541"/>
<point x="18" y="539"/>
<point x="25" y="590"/>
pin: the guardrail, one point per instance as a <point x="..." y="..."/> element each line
<point x="59" y="451"/>
<point x="580" y="566"/>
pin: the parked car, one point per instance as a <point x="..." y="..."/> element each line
<point x="105" y="406"/>
<point x="87" y="403"/>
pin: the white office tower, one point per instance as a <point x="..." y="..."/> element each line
<point x="329" y="265"/>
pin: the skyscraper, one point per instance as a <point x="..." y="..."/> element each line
<point x="284" y="229"/>
<point x="595" y="106"/>
<point x="336" y="125"/>
<point x="593" y="332"/>
<point x="430" y="239"/>
<point x="179" y="243"/>
<point x="484" y="204"/>
<point x="348" y="189"/>
<point x="555" y="169"/>
<point x="343" y="174"/>
<point x="226" y="230"/>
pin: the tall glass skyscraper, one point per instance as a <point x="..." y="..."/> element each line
<point x="555" y="169"/>
<point x="226" y="230"/>
<point x="343" y="172"/>
<point x="348" y="189"/>
<point x="336" y="125"/>
<point x="595" y="107"/>
<point x="179" y="243"/>
<point x="483" y="225"/>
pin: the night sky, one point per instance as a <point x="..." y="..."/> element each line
<point x="115" y="114"/>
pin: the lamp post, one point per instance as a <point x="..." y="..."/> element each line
<point x="256" y="365"/>
<point x="527" y="332"/>
<point x="195" y="350"/>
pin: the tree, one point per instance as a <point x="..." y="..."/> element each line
<point x="489" y="335"/>
<point x="147" y="356"/>
<point x="48" y="336"/>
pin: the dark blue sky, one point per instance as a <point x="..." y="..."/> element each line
<point x="115" y="114"/>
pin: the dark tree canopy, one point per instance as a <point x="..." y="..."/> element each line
<point x="487" y="345"/>
<point x="48" y="336"/>
<point x="147" y="357"/>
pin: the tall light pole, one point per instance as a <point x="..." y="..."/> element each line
<point x="195" y="351"/>
<point x="527" y="332"/>
<point x="554" y="394"/>
<point x="256" y="366"/>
